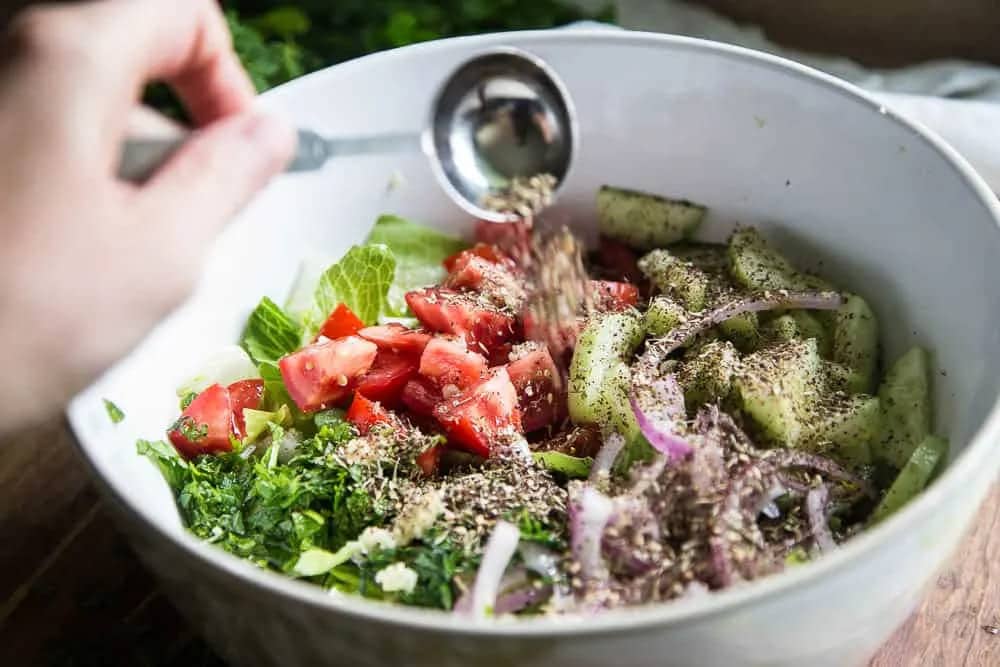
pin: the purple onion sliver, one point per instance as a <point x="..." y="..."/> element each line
<point x="520" y="598"/>
<point x="770" y="300"/>
<point x="661" y="438"/>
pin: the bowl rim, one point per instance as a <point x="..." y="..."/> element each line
<point x="971" y="463"/>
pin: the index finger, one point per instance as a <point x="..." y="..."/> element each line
<point x="185" y="43"/>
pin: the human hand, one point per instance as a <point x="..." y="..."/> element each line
<point x="89" y="263"/>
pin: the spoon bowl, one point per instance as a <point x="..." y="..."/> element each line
<point x="501" y="115"/>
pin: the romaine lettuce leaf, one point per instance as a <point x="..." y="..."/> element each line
<point x="418" y="250"/>
<point x="361" y="280"/>
<point x="270" y="334"/>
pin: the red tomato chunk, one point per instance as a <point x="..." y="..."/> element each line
<point x="450" y="362"/>
<point x="536" y="378"/>
<point x="244" y="395"/>
<point x="481" y="324"/>
<point x="341" y="322"/>
<point x="478" y="417"/>
<point x="397" y="338"/>
<point x="205" y="425"/>
<point x="364" y="414"/>
<point x="390" y="372"/>
<point x="325" y="373"/>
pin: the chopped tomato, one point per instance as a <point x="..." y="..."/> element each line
<point x="341" y="322"/>
<point x="390" y="372"/>
<point x="536" y="378"/>
<point x="619" y="260"/>
<point x="611" y="295"/>
<point x="397" y="338"/>
<point x="500" y="354"/>
<point x="512" y="238"/>
<point x="205" y="425"/>
<point x="325" y="373"/>
<point x="421" y="396"/>
<point x="561" y="336"/>
<point x="475" y="420"/>
<point x="364" y="413"/>
<point x="451" y="362"/>
<point x="430" y="459"/>
<point x="497" y="283"/>
<point x="482" y="325"/>
<point x="244" y="394"/>
<point x="486" y="251"/>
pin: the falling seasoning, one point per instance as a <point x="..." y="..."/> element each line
<point x="524" y="197"/>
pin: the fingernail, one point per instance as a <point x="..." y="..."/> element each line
<point x="272" y="135"/>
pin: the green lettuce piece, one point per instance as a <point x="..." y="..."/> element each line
<point x="115" y="413"/>
<point x="316" y="561"/>
<point x="419" y="252"/>
<point x="256" y="421"/>
<point x="361" y="280"/>
<point x="570" y="466"/>
<point x="174" y="469"/>
<point x="270" y="334"/>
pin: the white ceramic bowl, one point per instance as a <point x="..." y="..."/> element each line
<point x="880" y="205"/>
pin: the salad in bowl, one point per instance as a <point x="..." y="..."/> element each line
<point x="516" y="426"/>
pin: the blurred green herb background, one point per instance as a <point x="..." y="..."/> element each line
<point x="278" y="40"/>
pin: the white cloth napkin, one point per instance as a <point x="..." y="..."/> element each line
<point x="924" y="93"/>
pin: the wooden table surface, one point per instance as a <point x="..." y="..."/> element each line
<point x="74" y="594"/>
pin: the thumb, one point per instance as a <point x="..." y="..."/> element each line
<point x="216" y="172"/>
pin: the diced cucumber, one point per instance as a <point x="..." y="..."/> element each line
<point x="809" y="326"/>
<point x="662" y="315"/>
<point x="645" y="221"/>
<point x="906" y="407"/>
<point x="604" y="341"/>
<point x="743" y="330"/>
<point x="855" y="341"/>
<point x="781" y="328"/>
<point x="709" y="257"/>
<point x="679" y="279"/>
<point x="774" y="386"/>
<point x="614" y="409"/>
<point x="838" y="377"/>
<point x="844" y="425"/>
<point x="914" y="476"/>
<point x="707" y="373"/>
<point x="756" y="266"/>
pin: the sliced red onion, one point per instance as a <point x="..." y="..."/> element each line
<point x="722" y="561"/>
<point x="816" y="501"/>
<point x="520" y="598"/>
<point x="795" y="458"/>
<point x="589" y="512"/>
<point x="499" y="550"/>
<point x="770" y="300"/>
<point x="660" y="433"/>
<point x="606" y="457"/>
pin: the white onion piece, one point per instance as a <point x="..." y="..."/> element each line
<point x="606" y="457"/>
<point x="499" y="550"/>
<point x="816" y="500"/>
<point x="770" y="300"/>
<point x="227" y="365"/>
<point x="767" y="506"/>
<point x="545" y="562"/>
<point x="589" y="513"/>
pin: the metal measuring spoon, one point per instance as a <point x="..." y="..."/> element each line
<point x="500" y="115"/>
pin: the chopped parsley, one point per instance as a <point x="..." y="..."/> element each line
<point x="190" y="429"/>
